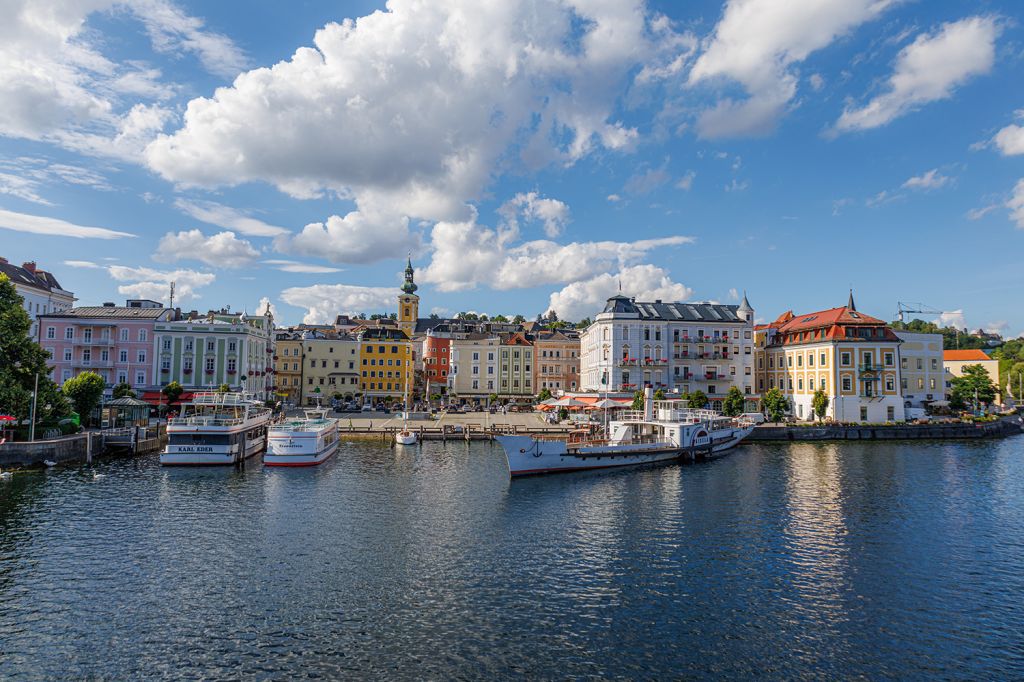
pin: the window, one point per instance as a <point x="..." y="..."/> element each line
<point x="69" y="333"/>
<point x="124" y="337"/>
<point x="51" y="332"/>
<point x="142" y="337"/>
<point x="799" y="361"/>
<point x="890" y="384"/>
<point x="188" y="345"/>
<point x="142" y="356"/>
<point x="931" y="384"/>
<point x="822" y="358"/>
<point x="863" y="413"/>
<point x="935" y="366"/>
<point x="232" y="346"/>
<point x="920" y="383"/>
<point x="122" y="377"/>
<point x="232" y="365"/>
<point x="844" y="359"/>
<point x="920" y="363"/>
<point x="140" y="377"/>
<point x="800" y="384"/>
<point x="165" y="365"/>
<point x="823" y="383"/>
<point x="210" y="345"/>
<point x="209" y="364"/>
<point x="312" y="364"/>
<point x="187" y="364"/>
<point x="847" y="384"/>
<point x="67" y="354"/>
<point x="810" y="359"/>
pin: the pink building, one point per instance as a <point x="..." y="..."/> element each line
<point x="115" y="342"/>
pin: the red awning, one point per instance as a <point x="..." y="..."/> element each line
<point x="156" y="397"/>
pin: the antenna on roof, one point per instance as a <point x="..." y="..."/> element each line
<point x="171" y="302"/>
<point x="620" y="284"/>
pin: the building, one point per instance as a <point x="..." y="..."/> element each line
<point x="116" y="342"/>
<point x="954" y="361"/>
<point x="288" y="366"/>
<point x="852" y="357"/>
<point x="408" y="303"/>
<point x="436" y="354"/>
<point x="515" y="367"/>
<point x="682" y="347"/>
<point x="556" y="360"/>
<point x="922" y="376"/>
<point x="473" y="373"/>
<point x="205" y="352"/>
<point x="330" y="367"/>
<point x="386" y="362"/>
<point x="41" y="292"/>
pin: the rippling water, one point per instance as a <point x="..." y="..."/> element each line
<point x="814" y="561"/>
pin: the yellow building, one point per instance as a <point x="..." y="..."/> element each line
<point x="852" y="357"/>
<point x="954" y="361"/>
<point x="408" y="303"/>
<point x="385" y="363"/>
<point x="288" y="364"/>
<point x="330" y="366"/>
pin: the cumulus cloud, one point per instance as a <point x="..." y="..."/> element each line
<point x="408" y="110"/>
<point x="24" y="222"/>
<point x="467" y="254"/>
<point x="930" y="180"/>
<point x="648" y="180"/>
<point x="1009" y="140"/>
<point x="928" y="70"/>
<point x="324" y="301"/>
<point x="756" y="44"/>
<point x="143" y="282"/>
<point x="1016" y="204"/>
<point x="220" y="250"/>
<point x="57" y="85"/>
<point x="685" y="183"/>
<point x="531" y="206"/>
<point x="265" y="306"/>
<point x="613" y="198"/>
<point x="228" y="218"/>
<point x="587" y="297"/>
<point x="951" y="318"/>
<point x="361" y="236"/>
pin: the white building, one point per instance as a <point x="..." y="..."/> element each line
<point x="922" y="376"/>
<point x="40" y="290"/>
<point x="681" y="347"/>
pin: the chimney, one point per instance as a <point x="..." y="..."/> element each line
<point x="30" y="266"/>
<point x="108" y="304"/>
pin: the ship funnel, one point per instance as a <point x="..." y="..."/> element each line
<point x="648" y="404"/>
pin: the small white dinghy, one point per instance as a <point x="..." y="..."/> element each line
<point x="405" y="436"/>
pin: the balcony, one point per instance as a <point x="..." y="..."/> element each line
<point x="681" y="356"/>
<point x="92" y="342"/>
<point x="93" y="364"/>
<point x="712" y="376"/>
<point x="654" y="362"/>
<point x="628" y="362"/>
<point x="869" y="368"/>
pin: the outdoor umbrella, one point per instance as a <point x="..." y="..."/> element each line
<point x="568" y="402"/>
<point x="607" y="403"/>
<point x="7" y="418"/>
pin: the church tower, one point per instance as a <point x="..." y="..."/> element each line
<point x="408" y="303"/>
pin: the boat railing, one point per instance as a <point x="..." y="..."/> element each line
<point x="304" y="425"/>
<point x="200" y="420"/>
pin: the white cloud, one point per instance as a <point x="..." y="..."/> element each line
<point x="928" y="70"/>
<point x="734" y="295"/>
<point x="685" y="183"/>
<point x="648" y="180"/>
<point x="24" y="177"/>
<point x="172" y="31"/>
<point x="143" y="282"/>
<point x="532" y="206"/>
<point x="82" y="264"/>
<point x="951" y="318"/>
<point x="736" y="185"/>
<point x="930" y="180"/>
<point x="23" y="222"/>
<point x="816" y="81"/>
<point x="756" y="43"/>
<point x="1016" y="204"/>
<point x="21" y="187"/>
<point x="325" y="301"/>
<point x="223" y="249"/>
<point x="409" y="110"/>
<point x="997" y="327"/>
<point x="979" y="213"/>
<point x="586" y="298"/>
<point x="613" y="198"/>
<point x="228" y="218"/>
<point x="265" y="306"/>
<point x="296" y="266"/>
<point x="466" y="255"/>
<point x="1010" y="140"/>
<point x="361" y="236"/>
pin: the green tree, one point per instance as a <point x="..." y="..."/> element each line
<point x="638" y="400"/>
<point x="1013" y="380"/>
<point x="698" y="400"/>
<point x="584" y="323"/>
<point x="732" y="405"/>
<point x="223" y="388"/>
<point x="659" y="394"/>
<point x="85" y="391"/>
<point x="518" y="319"/>
<point x="21" y="360"/>
<point x="973" y="387"/>
<point x="499" y="318"/>
<point x="775" y="405"/>
<point x="545" y="394"/>
<point x="820" y="404"/>
<point x="124" y="390"/>
<point x="172" y="392"/>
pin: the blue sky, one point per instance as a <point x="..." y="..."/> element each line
<point x="527" y="156"/>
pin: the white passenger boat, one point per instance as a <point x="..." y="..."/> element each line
<point x="216" y="428"/>
<point x="664" y="431"/>
<point x="302" y="442"/>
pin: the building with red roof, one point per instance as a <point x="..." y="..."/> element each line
<point x="954" y="361"/>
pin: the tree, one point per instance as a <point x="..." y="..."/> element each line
<point x="85" y="391"/>
<point x="820" y="404"/>
<point x="21" y="360"/>
<point x="223" y="388"/>
<point x="545" y="394"/>
<point x="659" y="394"/>
<point x="124" y="390"/>
<point x="973" y="387"/>
<point x="172" y="392"/>
<point x="733" y="403"/>
<point x="584" y="323"/>
<point x="698" y="400"/>
<point x="499" y="318"/>
<point x="518" y="319"/>
<point x="775" y="405"/>
<point x="638" y="400"/>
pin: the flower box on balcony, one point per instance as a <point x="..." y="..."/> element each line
<point x="186" y="371"/>
<point x="164" y="370"/>
<point x="231" y="371"/>
<point x="209" y="372"/>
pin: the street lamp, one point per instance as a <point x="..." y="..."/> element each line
<point x="32" y="412"/>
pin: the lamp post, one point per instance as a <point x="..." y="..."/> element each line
<point x="32" y="410"/>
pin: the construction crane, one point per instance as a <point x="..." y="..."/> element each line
<point x="903" y="307"/>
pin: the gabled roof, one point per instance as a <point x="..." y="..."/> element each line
<point x="827" y="318"/>
<point x="964" y="355"/>
<point x="708" y="313"/>
<point x="40" y="279"/>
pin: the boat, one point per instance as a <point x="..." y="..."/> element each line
<point x="216" y="428"/>
<point x="302" y="442"/>
<point x="405" y="436"/>
<point x="664" y="431"/>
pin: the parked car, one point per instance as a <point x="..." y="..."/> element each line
<point x="367" y="408"/>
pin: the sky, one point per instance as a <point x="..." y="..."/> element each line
<point x="526" y="156"/>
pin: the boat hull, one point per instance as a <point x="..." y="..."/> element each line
<point x="200" y="455"/>
<point x="405" y="439"/>
<point x="276" y="457"/>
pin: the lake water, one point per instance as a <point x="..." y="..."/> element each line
<point x="778" y="561"/>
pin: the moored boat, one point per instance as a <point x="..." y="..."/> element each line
<point x="216" y="428"/>
<point x="303" y="442"/>
<point x="663" y="431"/>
